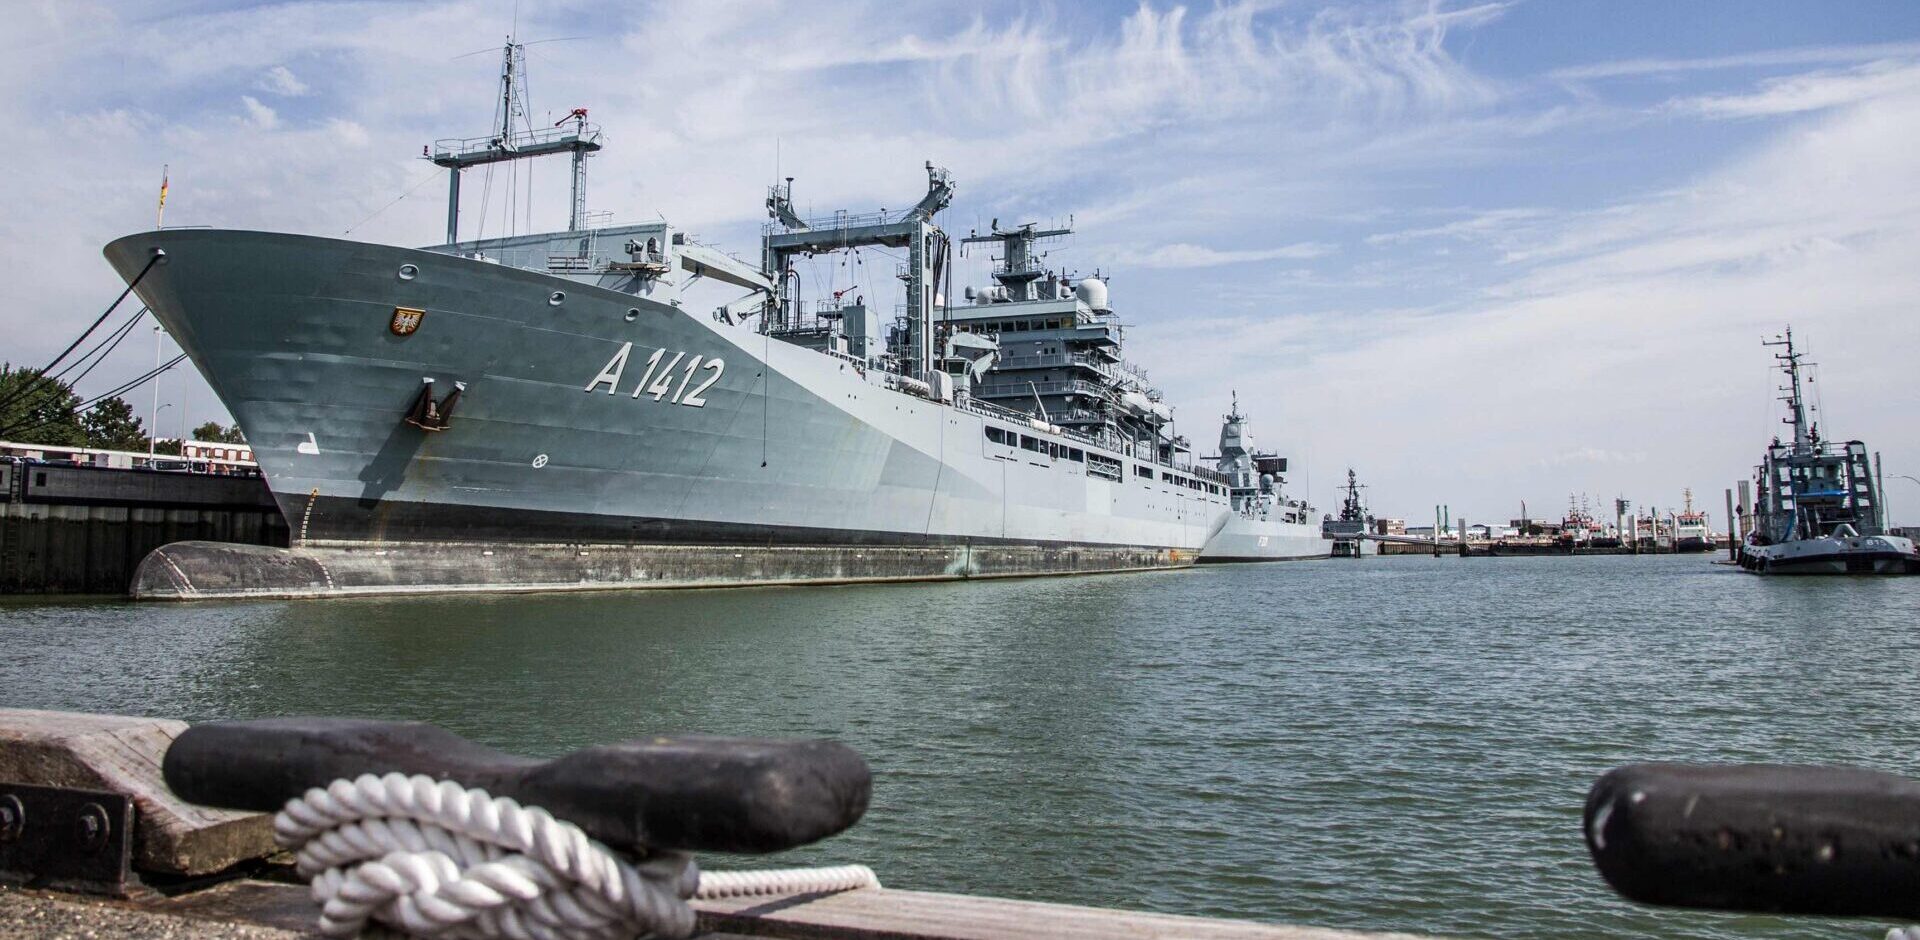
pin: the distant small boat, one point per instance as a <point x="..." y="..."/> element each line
<point x="1691" y="530"/>
<point x="1817" y="510"/>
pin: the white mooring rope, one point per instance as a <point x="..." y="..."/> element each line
<point x="436" y="859"/>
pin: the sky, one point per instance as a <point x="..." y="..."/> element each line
<point x="1482" y="253"/>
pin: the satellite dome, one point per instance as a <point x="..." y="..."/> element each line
<point x="1093" y="293"/>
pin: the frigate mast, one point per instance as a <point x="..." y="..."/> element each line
<point x="571" y="134"/>
<point x="1353" y="509"/>
<point x="1019" y="265"/>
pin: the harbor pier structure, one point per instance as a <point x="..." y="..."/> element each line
<point x="68" y="529"/>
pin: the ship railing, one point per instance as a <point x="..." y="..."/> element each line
<point x="1051" y="360"/>
<point x="1013" y="389"/>
<point x="1025" y="420"/>
<point x="519" y="140"/>
<point x="844" y="219"/>
<point x="1108" y="442"/>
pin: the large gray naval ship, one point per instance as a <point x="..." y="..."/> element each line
<point x="554" y="411"/>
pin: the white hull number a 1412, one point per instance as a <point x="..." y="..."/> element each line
<point x="679" y="378"/>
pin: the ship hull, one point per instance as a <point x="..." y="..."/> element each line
<point x="595" y="417"/>
<point x="1874" y="554"/>
<point x="1242" y="540"/>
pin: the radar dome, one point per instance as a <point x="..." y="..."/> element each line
<point x="1093" y="292"/>
<point x="1266" y="481"/>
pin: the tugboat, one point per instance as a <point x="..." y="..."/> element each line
<point x="1354" y="521"/>
<point x="1691" y="530"/>
<point x="1817" y="509"/>
<point x="1579" y="530"/>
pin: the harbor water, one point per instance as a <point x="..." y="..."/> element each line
<point x="1392" y="743"/>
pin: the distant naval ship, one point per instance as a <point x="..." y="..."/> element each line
<point x="1354" y="521"/>
<point x="1817" y="506"/>
<point x="553" y="411"/>
<point x="1265" y="525"/>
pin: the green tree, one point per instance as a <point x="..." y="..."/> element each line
<point x="168" y="446"/>
<point x="110" y="425"/>
<point x="216" y="433"/>
<point x="35" y="409"/>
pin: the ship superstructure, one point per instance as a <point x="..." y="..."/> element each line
<point x="1265" y="525"/>
<point x="1353" y="522"/>
<point x="1817" y="503"/>
<point x="558" y="410"/>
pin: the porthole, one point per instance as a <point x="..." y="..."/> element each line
<point x="408" y="272"/>
<point x="558" y="297"/>
<point x="633" y="313"/>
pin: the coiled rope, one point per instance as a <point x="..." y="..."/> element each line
<point x="435" y="859"/>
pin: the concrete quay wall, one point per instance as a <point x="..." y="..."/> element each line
<point x="82" y="530"/>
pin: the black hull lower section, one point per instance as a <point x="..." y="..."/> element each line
<point x="1885" y="563"/>
<point x="380" y="523"/>
<point x="216" y="570"/>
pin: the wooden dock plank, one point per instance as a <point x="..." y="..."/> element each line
<point x="873" y="914"/>
<point x="123" y="754"/>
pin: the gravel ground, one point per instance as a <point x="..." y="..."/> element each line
<point x="30" y="914"/>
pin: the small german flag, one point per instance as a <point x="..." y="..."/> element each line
<point x="162" y="212"/>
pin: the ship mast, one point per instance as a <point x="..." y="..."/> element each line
<point x="571" y="134"/>
<point x="1796" y="406"/>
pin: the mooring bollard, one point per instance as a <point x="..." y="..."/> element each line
<point x="415" y="828"/>
<point x="1761" y="838"/>
<point x="686" y="793"/>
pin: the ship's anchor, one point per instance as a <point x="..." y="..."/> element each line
<point x="430" y="415"/>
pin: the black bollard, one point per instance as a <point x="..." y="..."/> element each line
<point x="1764" y="838"/>
<point x="687" y="793"/>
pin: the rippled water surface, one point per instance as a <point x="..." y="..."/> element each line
<point x="1397" y="743"/>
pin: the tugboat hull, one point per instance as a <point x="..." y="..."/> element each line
<point x="1873" y="554"/>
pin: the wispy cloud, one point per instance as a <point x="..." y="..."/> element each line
<point x="1806" y="55"/>
<point x="259" y="115"/>
<point x="1183" y="255"/>
<point x="1490" y="224"/>
<point x="1810" y="92"/>
<point x="280" y="80"/>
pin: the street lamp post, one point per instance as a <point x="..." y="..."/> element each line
<point x="1883" y="496"/>
<point x="153" y="427"/>
<point x="153" y="433"/>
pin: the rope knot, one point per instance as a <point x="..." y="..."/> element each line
<point x="435" y="859"/>
<point x="432" y="858"/>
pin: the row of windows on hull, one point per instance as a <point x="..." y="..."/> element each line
<point x="1097" y="464"/>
